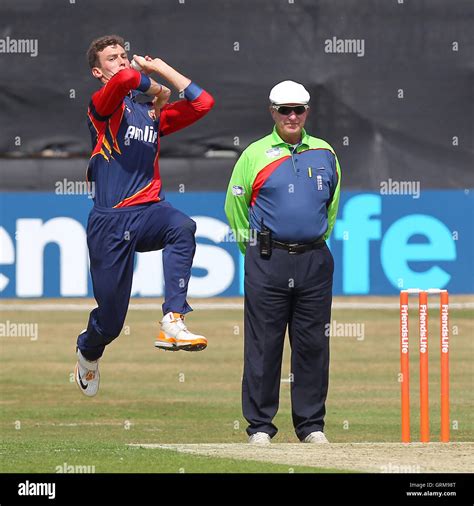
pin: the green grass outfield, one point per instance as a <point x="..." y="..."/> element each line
<point x="152" y="396"/>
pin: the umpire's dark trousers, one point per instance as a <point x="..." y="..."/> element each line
<point x="294" y="291"/>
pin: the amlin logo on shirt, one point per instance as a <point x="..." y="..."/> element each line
<point x="148" y="134"/>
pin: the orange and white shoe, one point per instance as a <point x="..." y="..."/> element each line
<point x="175" y="336"/>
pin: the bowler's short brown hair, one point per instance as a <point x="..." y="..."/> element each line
<point x="100" y="44"/>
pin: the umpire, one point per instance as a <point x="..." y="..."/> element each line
<point x="281" y="204"/>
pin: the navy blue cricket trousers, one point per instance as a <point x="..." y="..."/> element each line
<point x="113" y="237"/>
<point x="295" y="292"/>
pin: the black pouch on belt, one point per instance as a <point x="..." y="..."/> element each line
<point x="265" y="241"/>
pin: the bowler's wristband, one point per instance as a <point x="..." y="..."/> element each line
<point x="192" y="91"/>
<point x="145" y="83"/>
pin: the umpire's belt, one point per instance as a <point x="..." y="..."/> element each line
<point x="297" y="248"/>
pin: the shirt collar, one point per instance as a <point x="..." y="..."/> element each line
<point x="278" y="141"/>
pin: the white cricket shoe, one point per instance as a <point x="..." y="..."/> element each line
<point x="87" y="375"/>
<point x="175" y="336"/>
<point x="317" y="437"/>
<point x="259" y="438"/>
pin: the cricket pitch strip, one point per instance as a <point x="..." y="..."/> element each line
<point x="361" y="457"/>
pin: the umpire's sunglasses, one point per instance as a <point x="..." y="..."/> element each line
<point x="286" y="110"/>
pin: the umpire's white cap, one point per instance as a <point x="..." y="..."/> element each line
<point x="289" y="92"/>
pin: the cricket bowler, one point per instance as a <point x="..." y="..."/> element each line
<point x="130" y="213"/>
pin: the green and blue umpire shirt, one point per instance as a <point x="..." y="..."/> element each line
<point x="295" y="191"/>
